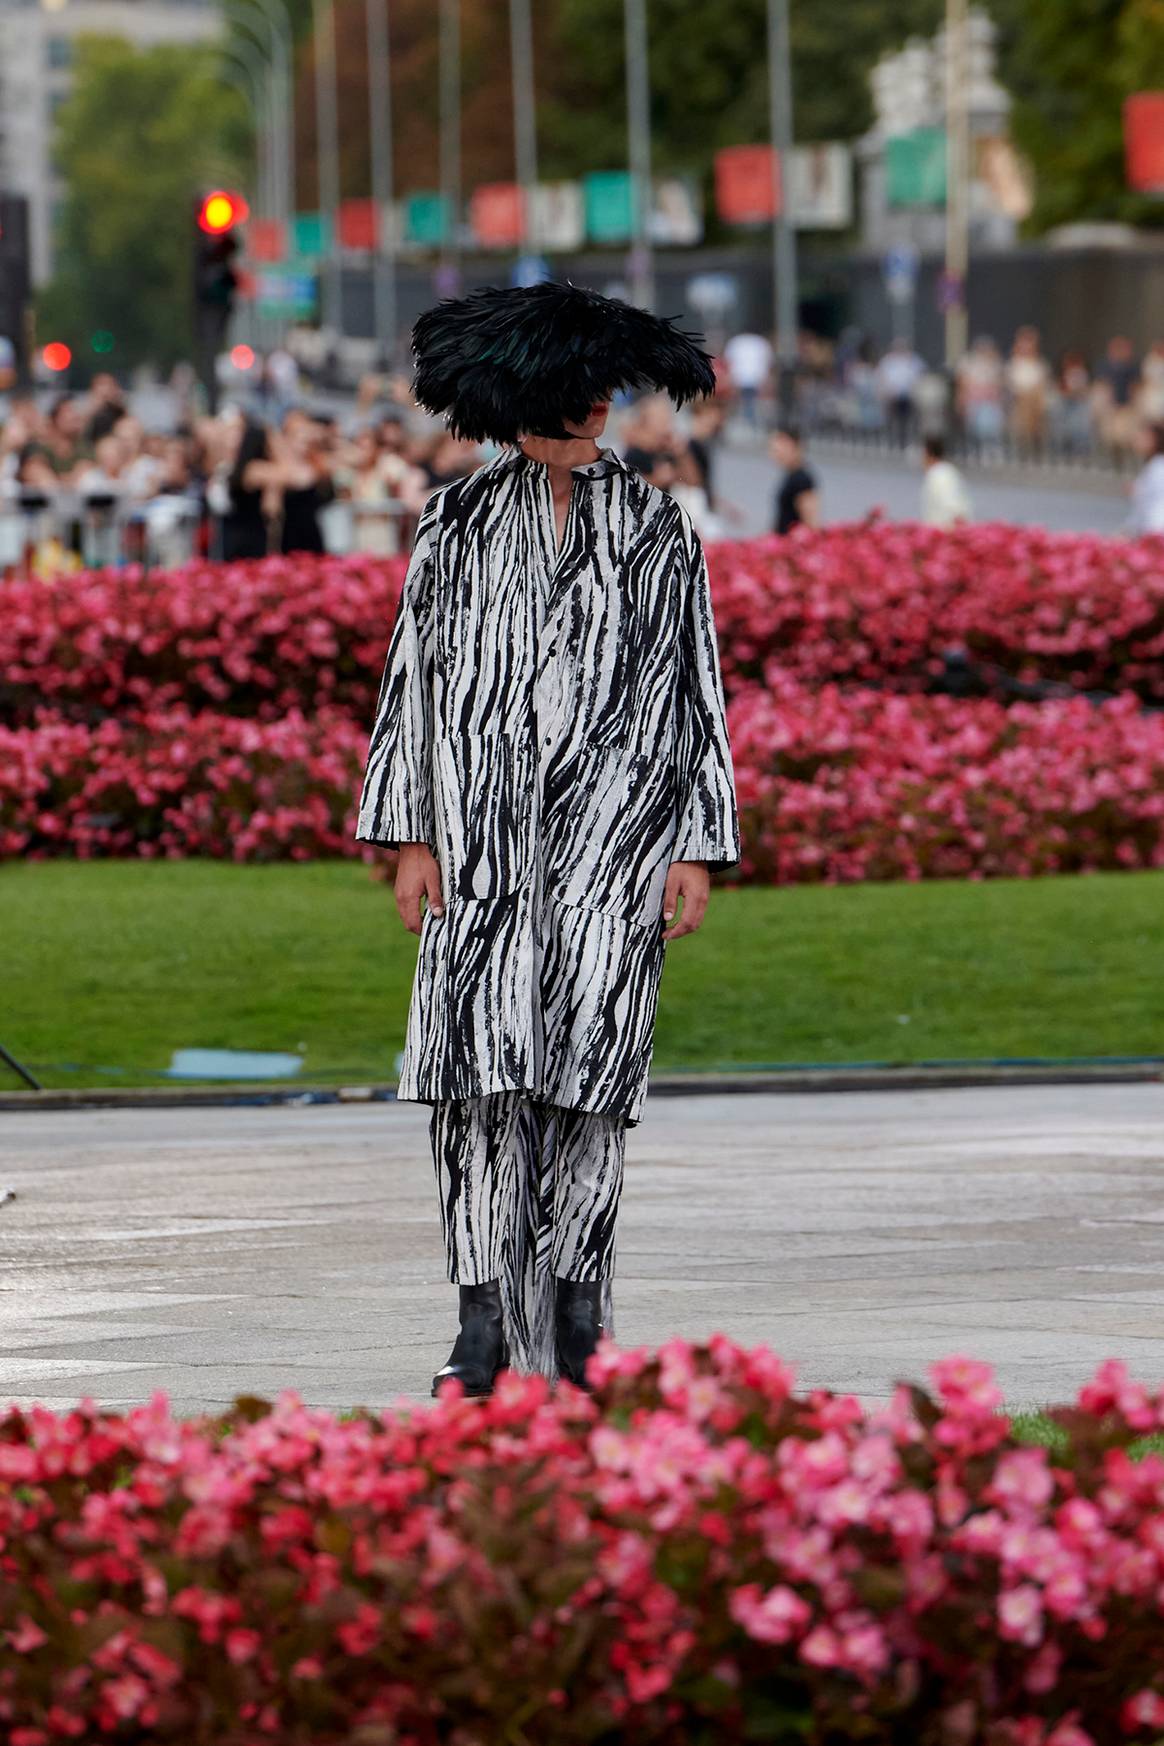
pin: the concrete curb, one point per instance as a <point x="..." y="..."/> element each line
<point x="938" y="1077"/>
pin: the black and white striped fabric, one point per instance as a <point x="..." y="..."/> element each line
<point x="528" y="1194"/>
<point x="551" y="722"/>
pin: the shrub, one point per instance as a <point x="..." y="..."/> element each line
<point x="875" y="603"/>
<point x="696" y="1554"/>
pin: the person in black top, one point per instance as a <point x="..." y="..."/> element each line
<point x="244" y="526"/>
<point x="797" y="499"/>
<point x="306" y="482"/>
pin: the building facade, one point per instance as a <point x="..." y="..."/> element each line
<point x="38" y="41"/>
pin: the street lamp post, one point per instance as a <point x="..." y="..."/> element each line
<point x="275" y="16"/>
<point x="638" y="127"/>
<point x="957" y="180"/>
<point x="380" y="122"/>
<point x="450" y="118"/>
<point x="242" y="74"/>
<point x="525" y="130"/>
<point x="327" y="143"/>
<point x="784" y="269"/>
<point x="276" y="107"/>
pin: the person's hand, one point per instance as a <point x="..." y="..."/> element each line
<point x="685" y="897"/>
<point x="417" y="876"/>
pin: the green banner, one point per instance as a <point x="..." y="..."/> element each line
<point x="426" y="218"/>
<point x="915" y="168"/>
<point x="283" y="291"/>
<point x="609" y="199"/>
<point x="310" y="235"/>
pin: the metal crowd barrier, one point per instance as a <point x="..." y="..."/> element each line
<point x="42" y="534"/>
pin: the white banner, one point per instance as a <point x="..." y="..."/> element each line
<point x="820" y="192"/>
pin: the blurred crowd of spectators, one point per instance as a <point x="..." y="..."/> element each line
<point x="993" y="405"/>
<point x="82" y="481"/>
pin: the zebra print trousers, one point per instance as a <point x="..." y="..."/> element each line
<point x="529" y="1193"/>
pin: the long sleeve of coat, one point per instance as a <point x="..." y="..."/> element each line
<point x="396" y="805"/>
<point x="708" y="821"/>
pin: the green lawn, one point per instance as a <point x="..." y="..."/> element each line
<point x="111" y="965"/>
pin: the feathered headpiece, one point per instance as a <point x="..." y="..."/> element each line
<point x="505" y="363"/>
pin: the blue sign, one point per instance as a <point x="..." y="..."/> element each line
<point x="529" y="270"/>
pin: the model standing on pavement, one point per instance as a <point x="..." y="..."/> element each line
<point x="550" y="756"/>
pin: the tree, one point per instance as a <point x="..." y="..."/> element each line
<point x="708" y="82"/>
<point x="1069" y="67"/>
<point x="140" y="134"/>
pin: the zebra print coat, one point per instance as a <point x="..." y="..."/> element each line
<point x="551" y="722"/>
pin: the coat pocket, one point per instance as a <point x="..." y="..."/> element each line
<point x="608" y="833"/>
<point x="484" y="813"/>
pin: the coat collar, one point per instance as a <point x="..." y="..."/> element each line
<point x="604" y="464"/>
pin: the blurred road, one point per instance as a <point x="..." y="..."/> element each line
<point x="212" y="1252"/>
<point x="852" y="488"/>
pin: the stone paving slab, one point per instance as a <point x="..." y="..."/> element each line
<point x="212" y="1252"/>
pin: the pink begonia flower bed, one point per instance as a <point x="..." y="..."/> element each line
<point x="834" y="785"/>
<point x="697" y="1554"/>
<point x="871" y="602"/>
<point x="223" y="710"/>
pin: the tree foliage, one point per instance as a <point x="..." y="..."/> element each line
<point x="142" y="132"/>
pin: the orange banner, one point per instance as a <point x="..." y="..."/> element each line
<point x="747" y="184"/>
<point x="496" y="215"/>
<point x="359" y="224"/>
<point x="1144" y="141"/>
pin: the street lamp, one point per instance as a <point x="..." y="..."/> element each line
<point x="525" y="127"/>
<point x="276" y="106"/>
<point x="327" y="143"/>
<point x="246" y="69"/>
<point x="638" y="129"/>
<point x="380" y="122"/>
<point x="784" y="297"/>
<point x="282" y="53"/>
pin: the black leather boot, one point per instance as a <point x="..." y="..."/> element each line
<point x="480" y="1350"/>
<point x="577" y="1326"/>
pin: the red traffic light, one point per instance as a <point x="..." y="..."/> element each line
<point x="220" y="211"/>
<point x="56" y="356"/>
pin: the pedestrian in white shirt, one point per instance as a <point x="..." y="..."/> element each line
<point x="1148" y="490"/>
<point x="749" y="358"/>
<point x="945" y="501"/>
<point x="898" y="375"/>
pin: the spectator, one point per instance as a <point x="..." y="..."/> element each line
<point x="945" y="502"/>
<point x="1148" y="490"/>
<point x="1075" y="424"/>
<point x="797" y="497"/>
<point x="1028" y="380"/>
<point x="706" y="432"/>
<point x="1117" y="383"/>
<point x="1150" y="403"/>
<point x="979" y="380"/>
<point x="898" y="375"/>
<point x="649" y="431"/>
<point x="303" y="482"/>
<point x="749" y="361"/>
<point x="106" y="406"/>
<point x="251" y="475"/>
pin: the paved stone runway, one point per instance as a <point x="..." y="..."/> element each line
<point x="212" y="1252"/>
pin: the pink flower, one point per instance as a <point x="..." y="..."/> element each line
<point x="242" y="1644"/>
<point x="1022" y="1479"/>
<point x="1020" y="1614"/>
<point x="26" y="1635"/>
<point x="772" y="1617"/>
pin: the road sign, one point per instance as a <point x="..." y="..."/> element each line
<point x="282" y="291"/>
<point x="899" y="269"/>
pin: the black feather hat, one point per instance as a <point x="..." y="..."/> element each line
<point x="504" y="363"/>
